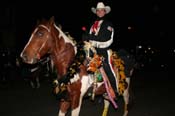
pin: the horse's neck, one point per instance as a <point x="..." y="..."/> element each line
<point x="62" y="54"/>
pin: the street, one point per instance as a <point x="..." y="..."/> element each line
<point x="152" y="93"/>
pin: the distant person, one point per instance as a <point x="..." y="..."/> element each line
<point x="100" y="35"/>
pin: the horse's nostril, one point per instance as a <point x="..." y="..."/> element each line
<point x="24" y="56"/>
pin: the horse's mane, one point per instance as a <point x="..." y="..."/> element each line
<point x="58" y="26"/>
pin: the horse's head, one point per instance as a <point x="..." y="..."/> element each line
<point x="40" y="42"/>
<point x="47" y="38"/>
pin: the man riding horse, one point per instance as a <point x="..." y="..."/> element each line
<point x="48" y="38"/>
<point x="101" y="37"/>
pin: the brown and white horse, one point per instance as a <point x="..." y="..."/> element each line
<point x="48" y="38"/>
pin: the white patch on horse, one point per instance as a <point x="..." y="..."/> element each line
<point x="45" y="27"/>
<point x="67" y="40"/>
<point x="76" y="78"/>
<point x="86" y="81"/>
<point x="61" y="113"/>
<point x="29" y="43"/>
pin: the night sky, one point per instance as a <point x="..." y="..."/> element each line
<point x="151" y="22"/>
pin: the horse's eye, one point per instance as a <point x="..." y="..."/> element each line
<point x="39" y="33"/>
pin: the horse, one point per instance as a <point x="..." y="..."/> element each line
<point x="48" y="38"/>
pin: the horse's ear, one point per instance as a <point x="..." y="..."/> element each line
<point x="37" y="22"/>
<point x="52" y="20"/>
<point x="60" y="26"/>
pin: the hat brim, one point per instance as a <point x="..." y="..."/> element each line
<point x="107" y="9"/>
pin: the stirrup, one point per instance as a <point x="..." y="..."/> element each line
<point x="105" y="96"/>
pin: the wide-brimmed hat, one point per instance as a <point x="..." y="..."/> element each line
<point x="100" y="5"/>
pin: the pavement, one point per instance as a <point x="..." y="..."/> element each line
<point x="152" y="94"/>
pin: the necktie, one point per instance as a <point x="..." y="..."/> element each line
<point x="95" y="26"/>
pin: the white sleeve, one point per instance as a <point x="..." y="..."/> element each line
<point x="105" y="44"/>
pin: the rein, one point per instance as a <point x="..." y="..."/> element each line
<point x="38" y="53"/>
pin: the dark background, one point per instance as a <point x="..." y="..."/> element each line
<point x="151" y="25"/>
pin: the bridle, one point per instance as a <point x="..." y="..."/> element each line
<point x="38" y="56"/>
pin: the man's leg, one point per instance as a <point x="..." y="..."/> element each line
<point x="110" y="75"/>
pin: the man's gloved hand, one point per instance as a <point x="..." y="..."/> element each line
<point x="93" y="43"/>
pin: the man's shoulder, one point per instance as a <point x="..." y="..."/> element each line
<point x="108" y="25"/>
<point x="108" y="22"/>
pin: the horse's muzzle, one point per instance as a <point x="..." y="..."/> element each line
<point x="26" y="59"/>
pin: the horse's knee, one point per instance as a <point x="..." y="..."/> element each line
<point x="75" y="102"/>
<point x="64" y="106"/>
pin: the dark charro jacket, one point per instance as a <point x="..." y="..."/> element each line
<point x="102" y="38"/>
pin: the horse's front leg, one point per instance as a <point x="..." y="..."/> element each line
<point x="126" y="97"/>
<point x="64" y="106"/>
<point x="76" y="110"/>
<point x="84" y="85"/>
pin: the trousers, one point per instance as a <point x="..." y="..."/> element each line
<point x="107" y="68"/>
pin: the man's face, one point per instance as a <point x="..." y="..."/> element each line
<point x="100" y="12"/>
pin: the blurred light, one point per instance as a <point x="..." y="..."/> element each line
<point x="139" y="46"/>
<point x="152" y="52"/>
<point x="129" y="27"/>
<point x="162" y="65"/>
